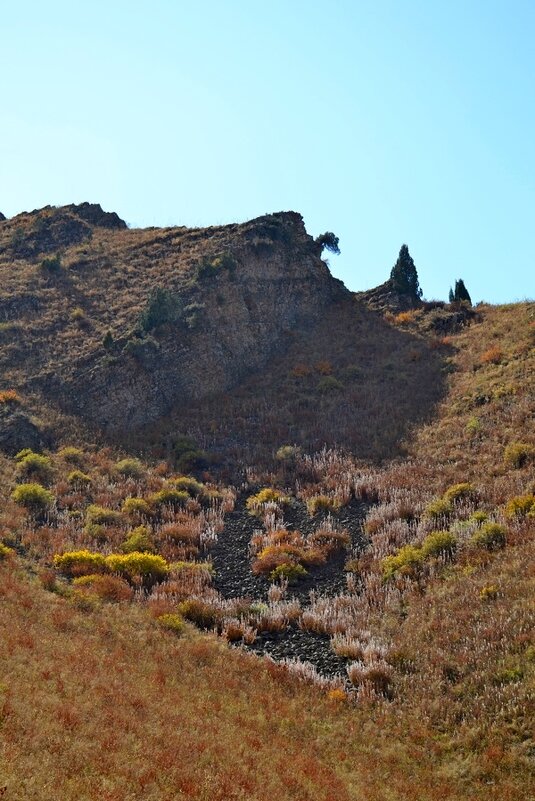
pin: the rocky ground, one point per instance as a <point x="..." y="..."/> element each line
<point x="233" y="577"/>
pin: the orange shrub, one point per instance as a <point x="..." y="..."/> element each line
<point x="10" y="396"/>
<point x="493" y="355"/>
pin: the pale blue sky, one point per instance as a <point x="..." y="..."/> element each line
<point x="386" y="122"/>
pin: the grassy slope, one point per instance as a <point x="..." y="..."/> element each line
<point x="100" y="704"/>
<point x="121" y="707"/>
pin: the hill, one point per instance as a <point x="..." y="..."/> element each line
<point x="350" y="621"/>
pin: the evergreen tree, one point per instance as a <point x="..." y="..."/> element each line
<point x="461" y="293"/>
<point x="404" y="276"/>
<point x="451" y="296"/>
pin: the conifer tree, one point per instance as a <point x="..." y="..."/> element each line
<point x="404" y="276"/>
<point x="461" y="293"/>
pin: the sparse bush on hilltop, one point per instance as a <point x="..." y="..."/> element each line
<point x="329" y="241"/>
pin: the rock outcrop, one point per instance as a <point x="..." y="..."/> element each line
<point x="276" y="282"/>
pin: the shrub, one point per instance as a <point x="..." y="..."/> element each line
<point x="210" y="267"/>
<point x="330" y="384"/>
<point x="458" y="492"/>
<point x="491" y="536"/>
<point x="406" y="561"/>
<point x="291" y="572"/>
<point x="478" y="518"/>
<point x="52" y="264"/>
<point x="5" y="552"/>
<point x="287" y="453"/>
<point x="322" y="503"/>
<point x="151" y="568"/>
<point x="438" y="508"/>
<point x="21" y="454"/>
<point x="136" y="507"/>
<point x="35" y="465"/>
<point x="33" y="497"/>
<point x="521" y="506"/>
<point x="162" y="307"/>
<point x="107" y="588"/>
<point x="203" y="614"/>
<point x="79" y="563"/>
<point x="169" y="497"/>
<point x="78" y="479"/>
<point x="493" y="355"/>
<point x="101" y="516"/>
<point x="72" y="455"/>
<point x="519" y="454"/>
<point x="138" y="540"/>
<point x="255" y="503"/>
<point x="489" y="592"/>
<point x="439" y="543"/>
<point x="171" y="622"/>
<point x="129" y="468"/>
<point x="10" y="396"/>
<point x="189" y="485"/>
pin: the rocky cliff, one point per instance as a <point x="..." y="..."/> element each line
<point x="121" y="326"/>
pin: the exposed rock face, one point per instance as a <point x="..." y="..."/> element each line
<point x="387" y="298"/>
<point x="53" y="229"/>
<point x="278" y="282"/>
<point x="18" y="431"/>
<point x="2" y="217"/>
<point x="93" y="214"/>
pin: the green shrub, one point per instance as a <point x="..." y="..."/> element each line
<point x="72" y="455"/>
<point x="478" y="517"/>
<point x="406" y="561"/>
<point x="519" y="454"/>
<point x="129" y="468"/>
<point x="34" y="465"/>
<point x="189" y="485"/>
<point x="521" y="506"/>
<point x="33" y="497"/>
<point x="169" y="497"/>
<point x="79" y="563"/>
<point x="22" y="454"/>
<point x="52" y="264"/>
<point x="438" y="508"/>
<point x="287" y="453"/>
<point x="5" y="552"/>
<point x="149" y="567"/>
<point x="171" y="622"/>
<point x="140" y="540"/>
<point x="102" y="516"/>
<point x="439" y="543"/>
<point x="210" y="267"/>
<point x="508" y="675"/>
<point x="330" y="384"/>
<point x="491" y="536"/>
<point x="255" y="503"/>
<point x="458" y="492"/>
<point x="322" y="503"/>
<point x="136" y="507"/>
<point x="162" y="307"/>
<point x="79" y="479"/>
<point x="291" y="572"/>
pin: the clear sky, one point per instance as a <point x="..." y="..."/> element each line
<point x="385" y="121"/>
